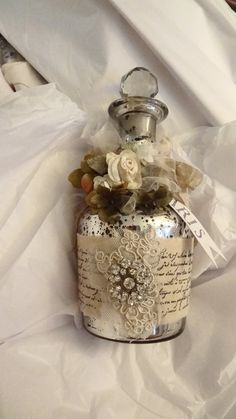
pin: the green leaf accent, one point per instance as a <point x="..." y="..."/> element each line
<point x="98" y="164"/>
<point x="75" y="178"/>
<point x="85" y="167"/>
<point x="150" y="202"/>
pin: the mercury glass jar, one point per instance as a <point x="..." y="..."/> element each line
<point x="134" y="274"/>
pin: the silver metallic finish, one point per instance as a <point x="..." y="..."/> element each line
<point x="136" y="117"/>
<point x="166" y="223"/>
<point x="159" y="332"/>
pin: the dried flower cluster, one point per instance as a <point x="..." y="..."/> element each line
<point x="125" y="182"/>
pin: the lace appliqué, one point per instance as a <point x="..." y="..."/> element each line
<point x="131" y="285"/>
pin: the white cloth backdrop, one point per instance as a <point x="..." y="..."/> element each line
<point x="49" y="368"/>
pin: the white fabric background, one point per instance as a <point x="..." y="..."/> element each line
<point x="49" y="368"/>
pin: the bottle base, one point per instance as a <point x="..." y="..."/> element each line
<point x="160" y="333"/>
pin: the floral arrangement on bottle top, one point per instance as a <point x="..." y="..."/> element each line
<point x="136" y="177"/>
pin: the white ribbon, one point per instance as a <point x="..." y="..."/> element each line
<point x="197" y="229"/>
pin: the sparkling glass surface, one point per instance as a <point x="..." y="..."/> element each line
<point x="139" y="82"/>
<point x="129" y="283"/>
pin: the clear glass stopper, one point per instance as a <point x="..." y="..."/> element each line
<point x="139" y="82"/>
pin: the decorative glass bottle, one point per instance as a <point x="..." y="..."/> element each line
<point x="134" y="268"/>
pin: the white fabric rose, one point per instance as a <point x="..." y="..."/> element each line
<point x="124" y="168"/>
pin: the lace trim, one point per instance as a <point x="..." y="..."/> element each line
<point x="130" y="271"/>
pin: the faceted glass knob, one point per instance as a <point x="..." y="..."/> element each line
<point x="139" y="82"/>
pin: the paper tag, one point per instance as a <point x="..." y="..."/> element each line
<point x="197" y="229"/>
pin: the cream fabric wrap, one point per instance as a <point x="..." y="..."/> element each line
<point x="166" y="262"/>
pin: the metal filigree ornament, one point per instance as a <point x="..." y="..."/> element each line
<point x="131" y="285"/>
